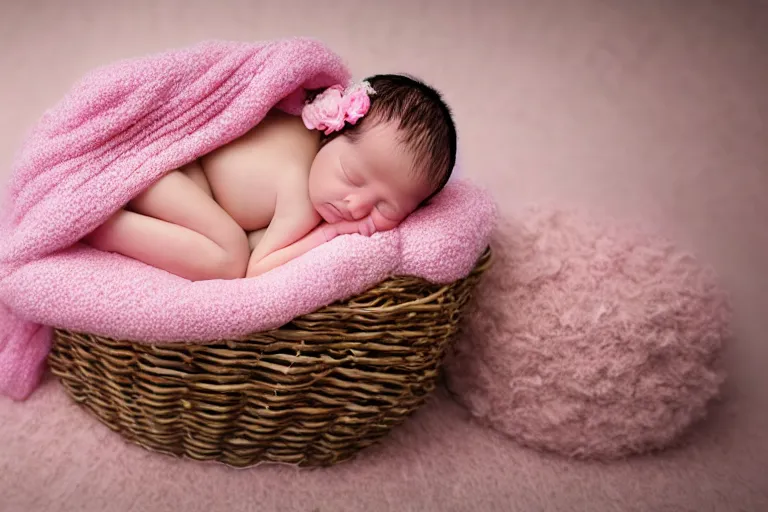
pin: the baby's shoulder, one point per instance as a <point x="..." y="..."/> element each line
<point x="284" y="134"/>
<point x="279" y="141"/>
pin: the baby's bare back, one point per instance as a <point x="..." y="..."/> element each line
<point x="246" y="174"/>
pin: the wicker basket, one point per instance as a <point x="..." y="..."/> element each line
<point x="313" y="392"/>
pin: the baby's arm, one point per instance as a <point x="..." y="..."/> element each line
<point x="314" y="238"/>
<point x="318" y="236"/>
<point x="294" y="217"/>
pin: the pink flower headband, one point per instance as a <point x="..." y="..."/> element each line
<point x="336" y="106"/>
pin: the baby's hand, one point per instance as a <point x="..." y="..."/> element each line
<point x="364" y="227"/>
<point x="321" y="234"/>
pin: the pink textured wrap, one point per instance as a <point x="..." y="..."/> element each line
<point x="118" y="131"/>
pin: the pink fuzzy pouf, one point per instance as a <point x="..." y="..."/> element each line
<point x="589" y="339"/>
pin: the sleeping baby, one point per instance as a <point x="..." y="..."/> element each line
<point x="358" y="160"/>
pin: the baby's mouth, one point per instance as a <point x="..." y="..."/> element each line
<point x="332" y="214"/>
<point x="343" y="214"/>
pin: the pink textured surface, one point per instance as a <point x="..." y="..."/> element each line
<point x="118" y="131"/>
<point x="591" y="338"/>
<point x="652" y="109"/>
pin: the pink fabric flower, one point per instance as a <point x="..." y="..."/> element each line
<point x="357" y="102"/>
<point x="326" y="112"/>
<point x="336" y="106"/>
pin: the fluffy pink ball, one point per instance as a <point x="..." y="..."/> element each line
<point x="589" y="340"/>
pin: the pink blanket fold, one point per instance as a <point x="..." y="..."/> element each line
<point x="119" y="130"/>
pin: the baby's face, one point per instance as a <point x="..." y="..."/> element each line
<point x="371" y="180"/>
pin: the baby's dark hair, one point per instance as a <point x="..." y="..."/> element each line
<point x="424" y="120"/>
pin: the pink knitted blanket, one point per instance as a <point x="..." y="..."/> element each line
<point x="119" y="130"/>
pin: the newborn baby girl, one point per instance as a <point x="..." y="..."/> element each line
<point x="359" y="160"/>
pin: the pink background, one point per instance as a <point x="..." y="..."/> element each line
<point x="653" y="110"/>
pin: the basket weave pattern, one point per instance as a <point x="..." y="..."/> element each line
<point x="313" y="392"/>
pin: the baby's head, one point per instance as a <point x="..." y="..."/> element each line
<point x="398" y="155"/>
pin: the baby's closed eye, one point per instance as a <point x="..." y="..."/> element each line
<point x="351" y="178"/>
